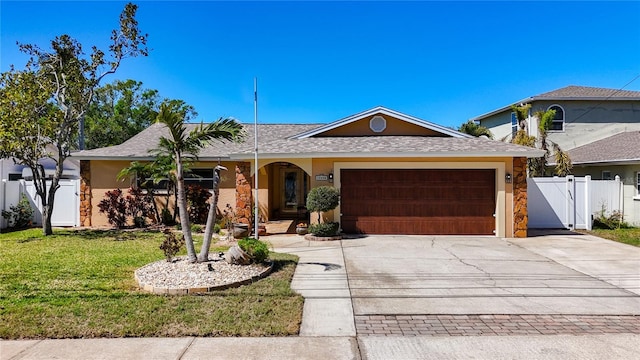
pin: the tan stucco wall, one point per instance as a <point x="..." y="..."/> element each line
<point x="394" y="127"/>
<point x="104" y="178"/>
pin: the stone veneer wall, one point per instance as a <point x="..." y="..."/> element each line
<point x="520" y="214"/>
<point x="243" y="192"/>
<point x="85" y="193"/>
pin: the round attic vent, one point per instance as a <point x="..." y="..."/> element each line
<point x="378" y="124"/>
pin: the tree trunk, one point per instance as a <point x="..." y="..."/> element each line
<point x="184" y="215"/>
<point x="211" y="217"/>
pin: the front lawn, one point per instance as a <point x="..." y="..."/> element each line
<point x="629" y="236"/>
<point x="78" y="284"/>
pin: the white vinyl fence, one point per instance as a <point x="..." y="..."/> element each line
<point x="66" y="208"/>
<point x="570" y="202"/>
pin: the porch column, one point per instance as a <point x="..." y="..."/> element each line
<point x="85" y="193"/>
<point x="520" y="214"/>
<point x="244" y="201"/>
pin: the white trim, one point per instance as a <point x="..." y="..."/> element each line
<point x="384" y="111"/>
<point x="498" y="166"/>
<point x="564" y="117"/>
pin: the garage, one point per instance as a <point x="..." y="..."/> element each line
<point x="418" y="201"/>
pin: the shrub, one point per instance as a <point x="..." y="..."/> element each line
<point x="197" y="198"/>
<point x="139" y="206"/>
<point x="115" y="206"/>
<point x="322" y="198"/>
<point x="613" y="221"/>
<point x="118" y="208"/>
<point x="20" y="215"/>
<point x="196" y="228"/>
<point x="324" y="229"/>
<point x="171" y="244"/>
<point x="216" y="229"/>
<point x="256" y="249"/>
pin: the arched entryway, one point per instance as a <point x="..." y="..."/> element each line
<point x="288" y="188"/>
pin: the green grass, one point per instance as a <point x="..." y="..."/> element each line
<point x="629" y="236"/>
<point x="80" y="284"/>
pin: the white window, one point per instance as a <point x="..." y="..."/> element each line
<point x="558" y="119"/>
<point x="638" y="182"/>
<point x="514" y="124"/>
<point x="606" y="175"/>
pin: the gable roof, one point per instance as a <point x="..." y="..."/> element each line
<point x="296" y="140"/>
<point x="571" y="92"/>
<point x="619" y="148"/>
<point x="384" y="111"/>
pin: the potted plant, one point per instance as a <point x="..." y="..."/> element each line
<point x="234" y="228"/>
<point x="302" y="228"/>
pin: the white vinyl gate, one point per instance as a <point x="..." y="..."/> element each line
<point x="66" y="208"/>
<point x="570" y="202"/>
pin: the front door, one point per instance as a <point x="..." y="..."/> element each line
<point x="294" y="188"/>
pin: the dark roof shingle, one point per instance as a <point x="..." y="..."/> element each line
<point x="586" y="92"/>
<point x="617" y="148"/>
<point x="277" y="140"/>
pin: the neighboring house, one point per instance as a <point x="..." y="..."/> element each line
<point x="598" y="127"/>
<point x="397" y="174"/>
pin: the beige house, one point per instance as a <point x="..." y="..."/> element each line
<point x="397" y="174"/>
<point x="598" y="127"/>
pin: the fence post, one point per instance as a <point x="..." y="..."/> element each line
<point x="571" y="202"/>
<point x="588" y="210"/>
<point x="620" y="195"/>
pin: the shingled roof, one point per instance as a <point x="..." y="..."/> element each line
<point x="572" y="92"/>
<point x="277" y="140"/>
<point x="619" y="148"/>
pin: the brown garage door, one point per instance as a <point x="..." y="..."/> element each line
<point x="418" y="201"/>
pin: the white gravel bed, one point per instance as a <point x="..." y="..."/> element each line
<point x="180" y="274"/>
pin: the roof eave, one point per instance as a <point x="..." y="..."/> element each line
<point x="608" y="162"/>
<point x="502" y="109"/>
<point x="424" y="154"/>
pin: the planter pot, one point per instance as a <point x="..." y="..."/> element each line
<point x="240" y="230"/>
<point x="302" y="230"/>
<point x="262" y="229"/>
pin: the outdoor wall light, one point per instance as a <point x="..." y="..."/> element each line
<point x="507" y="178"/>
<point x="330" y="177"/>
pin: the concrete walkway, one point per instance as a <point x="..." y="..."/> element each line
<point x="449" y="283"/>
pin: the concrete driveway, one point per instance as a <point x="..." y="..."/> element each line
<point x="487" y="275"/>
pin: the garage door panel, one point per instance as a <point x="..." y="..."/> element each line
<point x="409" y="201"/>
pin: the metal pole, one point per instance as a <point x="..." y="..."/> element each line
<point x="255" y="172"/>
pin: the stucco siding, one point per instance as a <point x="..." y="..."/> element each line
<point x="585" y="121"/>
<point x="499" y="124"/>
<point x="104" y="178"/>
<point x="393" y="127"/>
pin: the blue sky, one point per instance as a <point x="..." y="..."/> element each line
<point x="317" y="62"/>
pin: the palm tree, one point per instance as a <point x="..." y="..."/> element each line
<point x="183" y="146"/>
<point x="473" y="129"/>
<point x="563" y="162"/>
